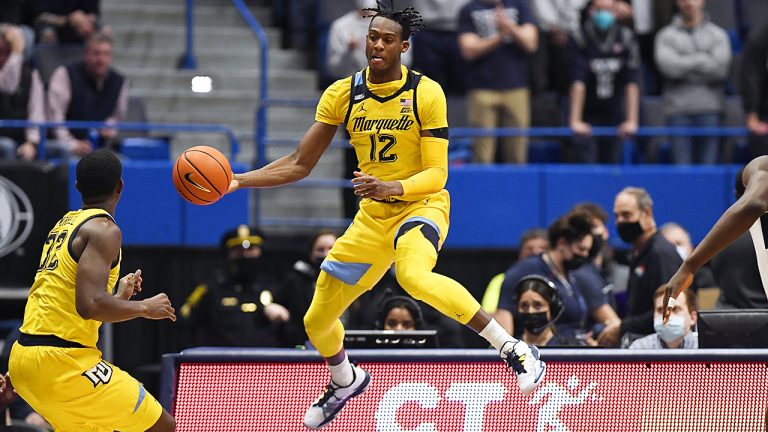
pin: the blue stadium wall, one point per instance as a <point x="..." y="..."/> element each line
<point x="492" y="205"/>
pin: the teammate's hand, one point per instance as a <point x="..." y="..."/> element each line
<point x="7" y="392"/>
<point x="159" y="307"/>
<point x="129" y="285"/>
<point x="368" y="186"/>
<point x="680" y="282"/>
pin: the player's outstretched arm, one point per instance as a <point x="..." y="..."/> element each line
<point x="732" y="224"/>
<point x="291" y="167"/>
<point x="101" y="239"/>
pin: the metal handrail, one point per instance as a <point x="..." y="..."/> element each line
<point x="166" y="127"/>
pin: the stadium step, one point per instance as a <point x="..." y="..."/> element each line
<point x="290" y="83"/>
<point x="213" y="59"/>
<point x="149" y="36"/>
<point x="130" y="13"/>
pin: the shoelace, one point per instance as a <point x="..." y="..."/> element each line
<point x="330" y="390"/>
<point x="514" y="361"/>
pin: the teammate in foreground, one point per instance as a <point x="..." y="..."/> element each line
<point x="55" y="365"/>
<point x="746" y="212"/>
<point x="398" y="126"/>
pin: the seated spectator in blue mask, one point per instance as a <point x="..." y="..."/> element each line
<point x="677" y="332"/>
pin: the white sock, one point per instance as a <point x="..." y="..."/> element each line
<point x="341" y="374"/>
<point x="496" y="335"/>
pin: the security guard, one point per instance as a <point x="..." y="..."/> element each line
<point x="235" y="308"/>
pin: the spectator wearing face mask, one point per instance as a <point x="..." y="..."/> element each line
<point x="677" y="332"/>
<point x="298" y="286"/>
<point x="539" y="306"/>
<point x="653" y="260"/>
<point x="570" y="240"/>
<point x="236" y="308"/>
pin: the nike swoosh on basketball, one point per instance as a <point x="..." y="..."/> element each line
<point x="194" y="183"/>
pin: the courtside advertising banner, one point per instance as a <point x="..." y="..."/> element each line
<point x="480" y="396"/>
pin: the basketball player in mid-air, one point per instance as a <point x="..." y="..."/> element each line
<point x="55" y="365"/>
<point x="398" y="126"/>
<point x="745" y="214"/>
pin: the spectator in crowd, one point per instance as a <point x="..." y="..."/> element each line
<point x="496" y="37"/>
<point x="539" y="306"/>
<point x="754" y="91"/>
<point x="345" y="55"/>
<point x="533" y="242"/>
<point x="694" y="56"/>
<point x="676" y="333"/>
<point x="299" y="286"/>
<point x="399" y="313"/>
<point x="21" y="97"/>
<point x="653" y="261"/>
<point x="88" y="90"/>
<point x="570" y="240"/>
<point x="558" y="21"/>
<point x="346" y="41"/>
<point x="236" y="307"/>
<point x="679" y="236"/>
<point x="18" y="409"/>
<point x="591" y="276"/>
<point x="12" y="13"/>
<point x="64" y="22"/>
<point x="647" y="17"/>
<point x="435" y="49"/>
<point x="604" y="65"/>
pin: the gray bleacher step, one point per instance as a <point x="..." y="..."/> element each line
<point x="141" y="35"/>
<point x="209" y="58"/>
<point x="291" y="84"/>
<point x="243" y="81"/>
<point x="205" y="15"/>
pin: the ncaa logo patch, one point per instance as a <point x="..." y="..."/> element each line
<point x="16" y="216"/>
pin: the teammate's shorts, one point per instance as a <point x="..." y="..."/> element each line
<point x="74" y="389"/>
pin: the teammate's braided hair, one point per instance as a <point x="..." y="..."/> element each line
<point x="410" y="19"/>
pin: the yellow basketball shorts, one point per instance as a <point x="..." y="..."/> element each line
<point x="367" y="249"/>
<point x="76" y="390"/>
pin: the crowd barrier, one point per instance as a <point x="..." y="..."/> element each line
<point x="208" y="389"/>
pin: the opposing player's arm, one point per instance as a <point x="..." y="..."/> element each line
<point x="102" y="240"/>
<point x="732" y="224"/>
<point x="294" y="166"/>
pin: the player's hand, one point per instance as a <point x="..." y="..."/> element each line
<point x="276" y="313"/>
<point x="129" y="285"/>
<point x="7" y="392"/>
<point x="233" y="185"/>
<point x="159" y="307"/>
<point x="680" y="282"/>
<point x="368" y="186"/>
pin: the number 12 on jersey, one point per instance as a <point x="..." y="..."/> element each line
<point x="384" y="155"/>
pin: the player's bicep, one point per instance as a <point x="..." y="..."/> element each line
<point x="314" y="143"/>
<point x="101" y="248"/>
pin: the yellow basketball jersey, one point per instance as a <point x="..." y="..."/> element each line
<point x="50" y="308"/>
<point x="385" y="121"/>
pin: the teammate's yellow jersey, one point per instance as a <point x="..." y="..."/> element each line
<point x="385" y="121"/>
<point x="50" y="308"/>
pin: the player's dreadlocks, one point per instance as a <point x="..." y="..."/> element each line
<point x="410" y="19"/>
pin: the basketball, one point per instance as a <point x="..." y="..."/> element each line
<point x="202" y="175"/>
